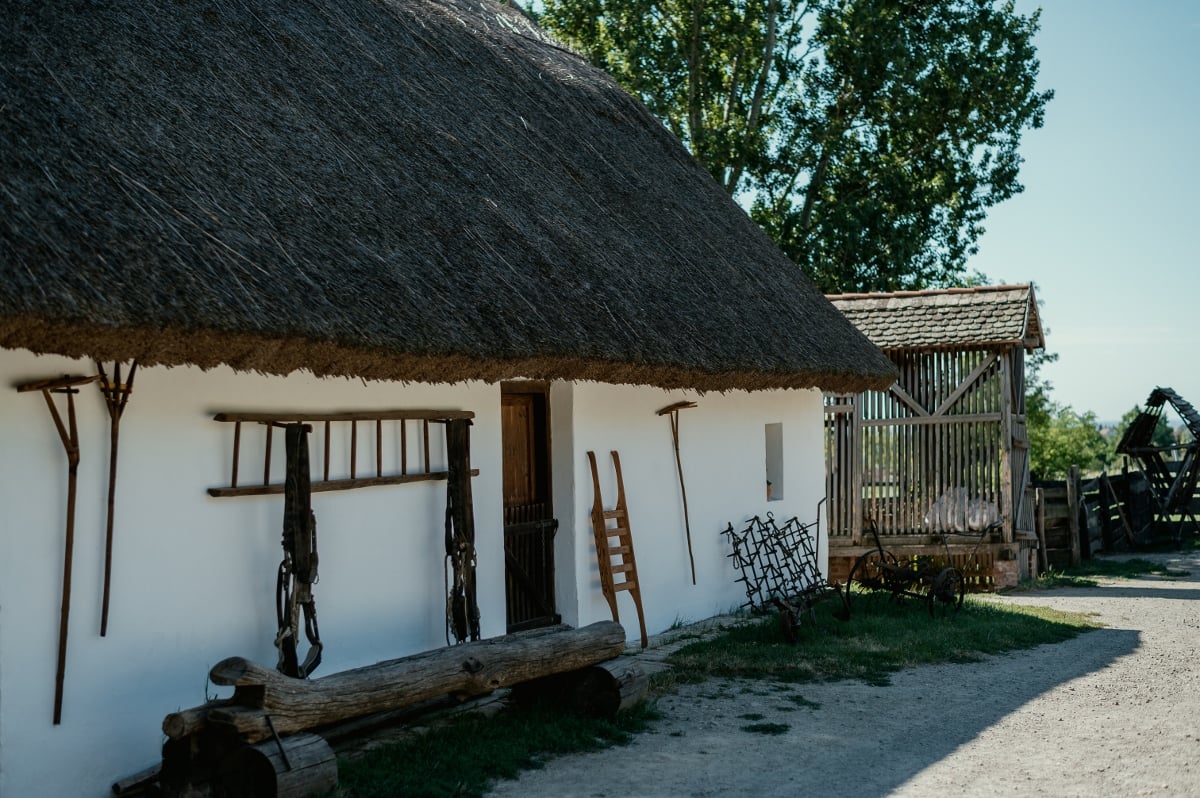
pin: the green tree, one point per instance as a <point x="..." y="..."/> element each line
<point x="1069" y="438"/>
<point x="1059" y="437"/>
<point x="867" y="137"/>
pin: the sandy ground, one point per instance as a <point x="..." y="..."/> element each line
<point x="1114" y="712"/>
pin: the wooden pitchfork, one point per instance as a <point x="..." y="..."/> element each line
<point x="70" y="439"/>
<point x="673" y="412"/>
<point x="116" y="396"/>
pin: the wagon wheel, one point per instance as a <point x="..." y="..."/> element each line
<point x="873" y="571"/>
<point x="947" y="589"/>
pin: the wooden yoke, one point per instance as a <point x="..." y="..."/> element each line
<point x="70" y="440"/>
<point x="622" y="549"/>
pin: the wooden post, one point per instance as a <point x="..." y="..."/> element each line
<point x="1039" y="502"/>
<point x="1073" y="511"/>
<point x="856" y="467"/>
<point x="1006" y="441"/>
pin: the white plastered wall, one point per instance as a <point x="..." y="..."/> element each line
<point x="194" y="576"/>
<point x="723" y="449"/>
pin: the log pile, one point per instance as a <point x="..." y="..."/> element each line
<point x="259" y="741"/>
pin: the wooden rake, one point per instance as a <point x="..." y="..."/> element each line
<point x="116" y="396"/>
<point x="69" y="433"/>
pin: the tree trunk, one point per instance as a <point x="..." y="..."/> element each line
<point x="599" y="691"/>
<point x="263" y="696"/>
<point x="297" y="766"/>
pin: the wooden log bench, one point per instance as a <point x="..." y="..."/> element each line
<point x="247" y="739"/>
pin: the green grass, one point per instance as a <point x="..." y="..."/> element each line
<point x="463" y="756"/>
<point x="1081" y="575"/>
<point x="882" y="638"/>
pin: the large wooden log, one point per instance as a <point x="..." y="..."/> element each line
<point x="298" y="766"/>
<point x="186" y="722"/>
<point x="599" y="691"/>
<point x="294" y="705"/>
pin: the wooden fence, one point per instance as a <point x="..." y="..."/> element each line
<point x="1078" y="518"/>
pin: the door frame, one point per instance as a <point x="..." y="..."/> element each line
<point x="542" y="528"/>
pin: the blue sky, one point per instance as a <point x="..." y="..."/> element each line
<point x="1108" y="223"/>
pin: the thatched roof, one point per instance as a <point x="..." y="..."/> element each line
<point x="424" y="190"/>
<point x="954" y="318"/>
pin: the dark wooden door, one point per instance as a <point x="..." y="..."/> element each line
<point x="529" y="523"/>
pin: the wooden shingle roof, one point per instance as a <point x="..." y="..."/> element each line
<point x="424" y="190"/>
<point x="963" y="318"/>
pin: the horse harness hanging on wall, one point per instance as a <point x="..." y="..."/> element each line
<point x="298" y="570"/>
<point x="462" y="608"/>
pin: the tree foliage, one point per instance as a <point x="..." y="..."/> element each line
<point x="867" y="137"/>
<point x="1059" y="437"/>
<point x="1069" y="438"/>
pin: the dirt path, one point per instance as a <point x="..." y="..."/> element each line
<point x="1114" y="712"/>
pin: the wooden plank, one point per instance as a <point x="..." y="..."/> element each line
<point x="1040" y="527"/>
<point x="908" y="400"/>
<point x="966" y="384"/>
<point x="1073" y="507"/>
<point x="856" y="469"/>
<point x="324" y="486"/>
<point x="1006" y="439"/>
<point x="1055" y="493"/>
<point x="932" y="421"/>
<point x="355" y="415"/>
<point x="1057" y="513"/>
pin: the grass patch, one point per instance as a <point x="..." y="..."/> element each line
<point x="463" y="756"/>
<point x="466" y="754"/>
<point x="882" y="638"/>
<point x="1082" y="574"/>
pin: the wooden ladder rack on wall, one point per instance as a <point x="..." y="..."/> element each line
<point x="374" y="418"/>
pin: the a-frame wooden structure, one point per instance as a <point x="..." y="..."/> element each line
<point x="945" y="449"/>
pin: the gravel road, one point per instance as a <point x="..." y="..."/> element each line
<point x="1114" y="712"/>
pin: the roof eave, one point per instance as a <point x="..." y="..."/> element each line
<point x="248" y="352"/>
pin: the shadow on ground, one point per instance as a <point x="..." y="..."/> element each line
<point x="726" y="737"/>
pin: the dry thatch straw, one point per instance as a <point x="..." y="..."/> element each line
<point x="422" y="190"/>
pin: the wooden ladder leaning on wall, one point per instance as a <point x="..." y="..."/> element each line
<point x="621" y="549"/>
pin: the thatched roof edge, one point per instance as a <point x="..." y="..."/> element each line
<point x="281" y="356"/>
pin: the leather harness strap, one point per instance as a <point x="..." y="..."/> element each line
<point x="298" y="571"/>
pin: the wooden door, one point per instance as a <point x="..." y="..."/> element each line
<point x="529" y="523"/>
